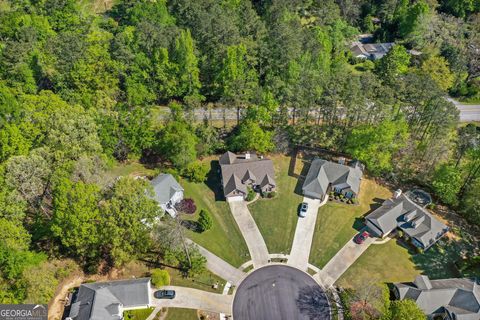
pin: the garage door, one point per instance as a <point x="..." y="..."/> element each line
<point x="235" y="198"/>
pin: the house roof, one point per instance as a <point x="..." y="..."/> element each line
<point x="414" y="220"/>
<point x="459" y="295"/>
<point x="165" y="186"/>
<point x="238" y="168"/>
<point x="371" y="50"/>
<point x="106" y="300"/>
<point x="323" y="172"/>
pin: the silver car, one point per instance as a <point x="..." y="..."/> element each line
<point x="303" y="210"/>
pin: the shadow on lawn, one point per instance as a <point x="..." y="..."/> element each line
<point x="213" y="181"/>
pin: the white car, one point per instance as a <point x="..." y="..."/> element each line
<point x="303" y="210"/>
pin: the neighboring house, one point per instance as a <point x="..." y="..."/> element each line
<point x="247" y="170"/>
<point x="108" y="300"/>
<point x="325" y="176"/>
<point x="453" y="299"/>
<point x="401" y="212"/>
<point x="167" y="192"/>
<point x="371" y="51"/>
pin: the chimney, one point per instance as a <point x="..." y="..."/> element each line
<point x="397" y="194"/>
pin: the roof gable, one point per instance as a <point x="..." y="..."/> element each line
<point x="165" y="186"/>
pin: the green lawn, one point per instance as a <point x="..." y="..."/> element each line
<point x="387" y="262"/>
<point x="203" y="281"/>
<point x="338" y="222"/>
<point x="224" y="238"/>
<point x="133" y="169"/>
<point x="181" y="314"/>
<point x="140" y="314"/>
<point x="277" y="218"/>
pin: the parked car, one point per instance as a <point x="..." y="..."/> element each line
<point x="361" y="237"/>
<point x="164" y="294"/>
<point x="303" y="210"/>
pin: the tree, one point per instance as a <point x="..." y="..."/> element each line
<point x="251" y="136"/>
<point x="376" y="145"/>
<point x="406" y="310"/>
<point x="177" y="143"/>
<point x="196" y="171"/>
<point x="128" y="215"/>
<point x="438" y="69"/>
<point x="205" y="220"/>
<point x="13" y="142"/>
<point x="197" y="263"/>
<point x="393" y="64"/>
<point x="160" y="278"/>
<point x="187" y="206"/>
<point x="447" y="182"/>
<point x="76" y="219"/>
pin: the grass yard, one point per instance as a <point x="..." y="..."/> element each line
<point x="181" y="314"/>
<point x="224" y="238"/>
<point x="338" y="222"/>
<point x="140" y="314"/>
<point x="204" y="281"/>
<point x="387" y="262"/>
<point x="277" y="218"/>
<point x="133" y="169"/>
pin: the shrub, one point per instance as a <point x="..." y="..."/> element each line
<point x="186" y="206"/>
<point x="160" y="277"/>
<point x="420" y="250"/>
<point x="205" y="220"/>
<point x="196" y="171"/>
<point x="431" y="206"/>
<point x="250" y="194"/>
<point x="271" y="194"/>
<point x="400" y="233"/>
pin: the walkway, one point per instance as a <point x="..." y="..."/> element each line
<point x="220" y="267"/>
<point x="255" y="243"/>
<point x="342" y="261"/>
<point x="195" y="299"/>
<point x="302" y="241"/>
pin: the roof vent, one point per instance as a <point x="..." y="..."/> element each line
<point x="397" y="193"/>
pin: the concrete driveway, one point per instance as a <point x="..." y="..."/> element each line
<point x="220" y="267"/>
<point x="253" y="238"/>
<point x="195" y="299"/>
<point x="342" y="261"/>
<point x="302" y="241"/>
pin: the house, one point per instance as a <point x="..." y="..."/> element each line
<point x="247" y="170"/>
<point x="453" y="299"/>
<point x="403" y="213"/>
<point x="167" y="192"/>
<point x="325" y="176"/>
<point x="371" y="51"/>
<point x="108" y="300"/>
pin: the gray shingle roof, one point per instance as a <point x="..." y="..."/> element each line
<point x="460" y="296"/>
<point x="105" y="300"/>
<point x="236" y="169"/>
<point x="414" y="220"/>
<point x="371" y="50"/>
<point x="165" y="186"/>
<point x="322" y="173"/>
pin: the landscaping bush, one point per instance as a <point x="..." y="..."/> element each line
<point x="250" y="194"/>
<point x="271" y="194"/>
<point x="400" y="233"/>
<point x="196" y="172"/>
<point x="205" y="220"/>
<point x="160" y="277"/>
<point x="186" y="206"/>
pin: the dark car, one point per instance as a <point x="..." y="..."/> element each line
<point x="164" y="294"/>
<point x="361" y="237"/>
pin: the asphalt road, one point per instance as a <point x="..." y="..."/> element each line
<point x="278" y="292"/>
<point x="468" y="112"/>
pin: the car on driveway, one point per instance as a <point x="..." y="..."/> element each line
<point x="164" y="294"/>
<point x="361" y="237"/>
<point x="303" y="210"/>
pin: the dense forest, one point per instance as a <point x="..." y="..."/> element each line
<point x="81" y="90"/>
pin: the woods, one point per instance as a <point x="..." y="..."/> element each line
<point x="80" y="91"/>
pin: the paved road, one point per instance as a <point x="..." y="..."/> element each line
<point x="255" y="243"/>
<point x="220" y="267"/>
<point x="195" y="299"/>
<point x="342" y="261"/>
<point x="279" y="292"/>
<point x="302" y="241"/>
<point x="468" y="112"/>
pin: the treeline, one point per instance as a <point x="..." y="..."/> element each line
<point x="79" y="91"/>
